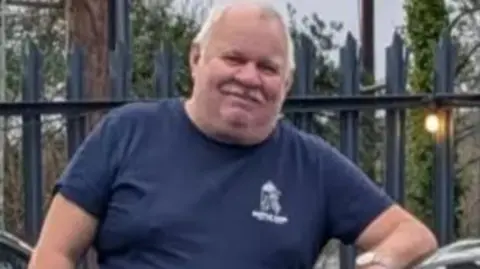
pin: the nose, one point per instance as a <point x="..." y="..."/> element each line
<point x="249" y="75"/>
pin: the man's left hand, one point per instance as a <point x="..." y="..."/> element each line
<point x="398" y="238"/>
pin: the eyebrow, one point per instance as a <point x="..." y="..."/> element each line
<point x="275" y="62"/>
<point x="272" y="60"/>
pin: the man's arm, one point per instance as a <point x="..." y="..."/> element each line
<point x="360" y="212"/>
<point x="398" y="238"/>
<point x="80" y="199"/>
<point x="66" y="234"/>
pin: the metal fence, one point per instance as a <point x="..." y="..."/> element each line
<point x="303" y="107"/>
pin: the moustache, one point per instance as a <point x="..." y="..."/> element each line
<point x="240" y="90"/>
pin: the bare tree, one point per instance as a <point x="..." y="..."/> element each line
<point x="88" y="27"/>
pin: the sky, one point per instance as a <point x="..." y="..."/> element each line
<point x="388" y="16"/>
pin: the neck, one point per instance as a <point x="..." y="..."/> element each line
<point x="222" y="135"/>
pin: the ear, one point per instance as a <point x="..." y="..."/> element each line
<point x="289" y="81"/>
<point x="194" y="57"/>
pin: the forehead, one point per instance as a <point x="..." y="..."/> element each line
<point x="249" y="31"/>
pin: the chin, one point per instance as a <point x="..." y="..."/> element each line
<point x="242" y="130"/>
<point x="236" y="122"/>
<point x="237" y="117"/>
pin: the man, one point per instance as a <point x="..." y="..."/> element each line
<point x="218" y="181"/>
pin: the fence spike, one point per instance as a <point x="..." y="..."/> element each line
<point x="349" y="121"/>
<point x="166" y="68"/>
<point x="445" y="58"/>
<point x="305" y="59"/>
<point x="75" y="92"/>
<point x="444" y="175"/>
<point x="396" y="66"/>
<point x="121" y="68"/>
<point x="394" y="174"/>
<point x="349" y="67"/>
<point x="76" y="73"/>
<point x="32" y="90"/>
<point x="32" y="67"/>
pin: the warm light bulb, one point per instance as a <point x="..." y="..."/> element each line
<point x="432" y="123"/>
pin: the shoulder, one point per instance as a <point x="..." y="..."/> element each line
<point x="138" y="114"/>
<point x="331" y="163"/>
<point x="140" y="110"/>
<point x="324" y="155"/>
<point x="311" y="144"/>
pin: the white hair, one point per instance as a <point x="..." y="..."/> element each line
<point x="217" y="11"/>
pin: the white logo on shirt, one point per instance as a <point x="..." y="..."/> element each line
<point x="270" y="207"/>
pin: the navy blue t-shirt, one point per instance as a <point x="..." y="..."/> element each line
<point x="168" y="197"/>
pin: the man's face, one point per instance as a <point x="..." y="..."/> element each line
<point x="242" y="74"/>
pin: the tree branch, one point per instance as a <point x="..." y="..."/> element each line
<point x="466" y="59"/>
<point x="58" y="5"/>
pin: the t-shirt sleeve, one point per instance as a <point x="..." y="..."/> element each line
<point x="353" y="200"/>
<point x="88" y="176"/>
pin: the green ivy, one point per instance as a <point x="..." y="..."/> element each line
<point x="425" y="20"/>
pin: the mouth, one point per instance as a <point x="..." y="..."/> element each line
<point x="248" y="97"/>
<point x="244" y="97"/>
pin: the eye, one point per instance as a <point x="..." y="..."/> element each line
<point x="269" y="68"/>
<point x="232" y="59"/>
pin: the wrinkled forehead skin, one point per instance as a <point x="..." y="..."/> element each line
<point x="249" y="27"/>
